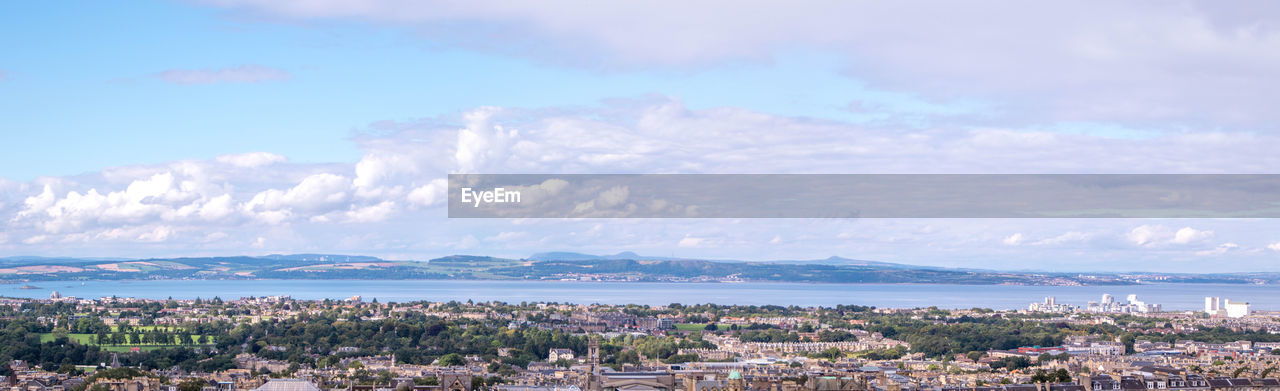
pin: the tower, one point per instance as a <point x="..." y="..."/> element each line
<point x="736" y="382"/>
<point x="593" y="358"/>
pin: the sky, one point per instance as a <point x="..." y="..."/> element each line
<point x="227" y="127"/>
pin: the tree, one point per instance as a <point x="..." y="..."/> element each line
<point x="450" y="360"/>
<point x="832" y="354"/>
<point x="191" y="384"/>
<point x="384" y="377"/>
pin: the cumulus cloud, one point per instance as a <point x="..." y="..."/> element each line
<point x="1013" y="240"/>
<point x="430" y="194"/>
<point x="1069" y="237"/>
<point x="145" y="198"/>
<point x="1189" y="235"/>
<point x="1159" y="235"/>
<point x="372" y="213"/>
<point x="1196" y="60"/>
<point x="1219" y="250"/>
<point x="251" y="159"/>
<point x="316" y="193"/>
<point x="1274" y="246"/>
<point x="689" y="241"/>
<point x="236" y="74"/>
<point x="158" y="234"/>
<point x="230" y="202"/>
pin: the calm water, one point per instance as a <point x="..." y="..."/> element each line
<point x="1172" y="296"/>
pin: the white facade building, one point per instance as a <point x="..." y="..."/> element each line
<point x="1216" y="306"/>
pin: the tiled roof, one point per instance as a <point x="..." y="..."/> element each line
<point x="288" y="385"/>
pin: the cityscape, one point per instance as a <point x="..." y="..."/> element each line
<point x="281" y="343"/>
<point x="656" y="195"/>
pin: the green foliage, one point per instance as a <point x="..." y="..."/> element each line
<point x="1058" y="376"/>
<point x="451" y="359"/>
<point x="191" y="384"/>
<point x="1012" y="363"/>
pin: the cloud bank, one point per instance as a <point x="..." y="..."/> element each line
<point x="390" y="202"/>
<point x="1164" y="64"/>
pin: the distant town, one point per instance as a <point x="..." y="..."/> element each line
<point x="1213" y="306"/>
<point x="284" y="344"/>
<point x="560" y="266"/>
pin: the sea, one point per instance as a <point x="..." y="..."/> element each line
<point x="1170" y="296"/>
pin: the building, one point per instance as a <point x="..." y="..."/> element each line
<point x="287" y="385"/>
<point x="1050" y="304"/>
<point x="1215" y="306"/>
<point x="557" y="354"/>
<point x="1235" y="309"/>
<point x="1132" y="305"/>
<point x="1212" y="305"/>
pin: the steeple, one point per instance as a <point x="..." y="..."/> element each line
<point x="593" y="358"/>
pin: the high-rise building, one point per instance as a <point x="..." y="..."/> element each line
<point x="1235" y="309"/>
<point x="1107" y="299"/>
<point x="1212" y="305"/>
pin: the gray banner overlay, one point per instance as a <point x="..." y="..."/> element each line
<point x="863" y="196"/>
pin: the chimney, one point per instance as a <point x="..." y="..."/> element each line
<point x="1085" y="380"/>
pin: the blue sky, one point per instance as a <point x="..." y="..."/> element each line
<point x="82" y="79"/>
<point x="158" y="128"/>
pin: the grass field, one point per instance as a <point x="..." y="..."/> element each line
<point x="85" y="339"/>
<point x="698" y="326"/>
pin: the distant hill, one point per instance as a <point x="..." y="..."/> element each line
<point x="623" y="266"/>
<point x="572" y="256"/>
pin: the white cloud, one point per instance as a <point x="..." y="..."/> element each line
<point x="217" y="208"/>
<point x="1274" y="246"/>
<point x="251" y="159"/>
<point x="152" y="197"/>
<point x="1205" y="61"/>
<point x="689" y="242"/>
<point x="159" y="234"/>
<point x="1189" y="235"/>
<point x="481" y="142"/>
<point x="215" y="236"/>
<point x="375" y="170"/>
<point x="1146" y="235"/>
<point x="431" y="194"/>
<point x="318" y="193"/>
<point x="236" y="74"/>
<point x="1219" y="250"/>
<point x="1159" y="235"/>
<point x="306" y="206"/>
<point x="372" y="213"/>
<point x="506" y="236"/>
<point x="1069" y="237"/>
<point x="1013" y="240"/>
<point x="613" y="197"/>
